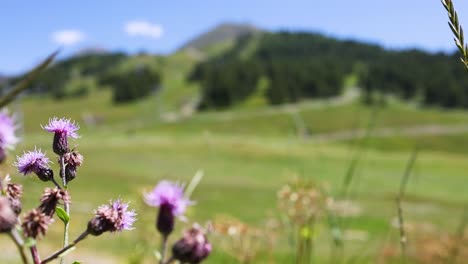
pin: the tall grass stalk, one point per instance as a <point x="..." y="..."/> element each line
<point x="401" y="193"/>
<point x="457" y="31"/>
<point x="358" y="153"/>
<point x="25" y="83"/>
<point x="337" y="225"/>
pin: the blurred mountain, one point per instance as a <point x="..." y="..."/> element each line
<point x="92" y="50"/>
<point x="224" y="33"/>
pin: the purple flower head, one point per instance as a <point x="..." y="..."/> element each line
<point x="170" y="195"/>
<point x="62" y="126"/>
<point x="8" y="138"/>
<point x="125" y="217"/>
<point x="35" y="161"/>
<point x="32" y="161"/>
<point x="112" y="217"/>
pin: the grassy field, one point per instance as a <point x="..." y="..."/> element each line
<point x="246" y="156"/>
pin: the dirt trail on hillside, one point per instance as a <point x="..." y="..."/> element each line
<point x="425" y="130"/>
<point x="350" y="95"/>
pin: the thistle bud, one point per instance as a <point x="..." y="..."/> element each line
<point x="113" y="217"/>
<point x="193" y="247"/>
<point x="7" y="216"/>
<point x="99" y="225"/>
<point x="165" y="220"/>
<point x="35" y="224"/>
<point x="45" y="174"/>
<point x="70" y="173"/>
<point x="73" y="158"/>
<point x="60" y="144"/>
<point x="51" y="198"/>
<point x="16" y="205"/>
<point x="14" y="192"/>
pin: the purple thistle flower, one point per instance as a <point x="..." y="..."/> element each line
<point x="62" y="129"/>
<point x="8" y="138"/>
<point x="113" y="217"/>
<point x="168" y="193"/>
<point x="34" y="161"/>
<point x="169" y="197"/>
<point x="125" y="218"/>
<point x="63" y="126"/>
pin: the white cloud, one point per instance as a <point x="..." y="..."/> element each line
<point x="143" y="29"/>
<point x="68" y="37"/>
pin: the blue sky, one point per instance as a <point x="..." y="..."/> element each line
<point x="31" y="30"/>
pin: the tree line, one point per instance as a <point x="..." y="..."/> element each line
<point x="79" y="75"/>
<point x="301" y="65"/>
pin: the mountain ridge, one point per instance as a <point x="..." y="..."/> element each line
<point x="223" y="32"/>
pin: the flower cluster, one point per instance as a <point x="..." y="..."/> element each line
<point x="113" y="217"/>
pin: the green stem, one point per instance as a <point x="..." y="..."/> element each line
<point x="163" y="249"/>
<point x="170" y="260"/>
<point x="66" y="205"/>
<point x="56" y="183"/>
<point x="64" y="249"/>
<point x="19" y="244"/>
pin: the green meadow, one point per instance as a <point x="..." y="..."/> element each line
<point x="246" y="155"/>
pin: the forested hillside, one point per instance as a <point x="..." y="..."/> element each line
<point x="129" y="77"/>
<point x="291" y="66"/>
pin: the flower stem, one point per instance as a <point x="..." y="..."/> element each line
<point x="35" y="255"/>
<point x="66" y="204"/>
<point x="163" y="249"/>
<point x="19" y="244"/>
<point x="64" y="249"/>
<point x="170" y="260"/>
<point x="56" y="183"/>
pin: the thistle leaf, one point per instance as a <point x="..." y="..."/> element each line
<point x="62" y="215"/>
